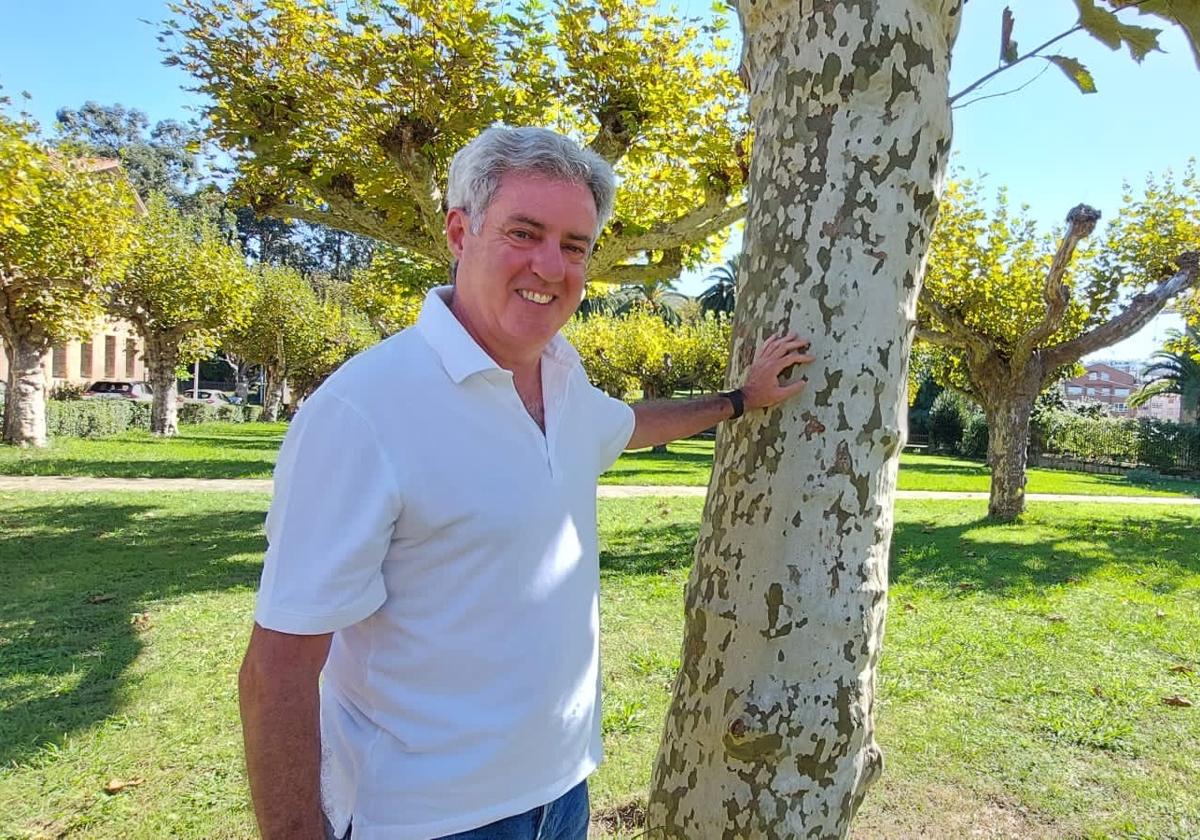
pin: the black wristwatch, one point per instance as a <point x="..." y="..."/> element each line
<point x="736" y="399"/>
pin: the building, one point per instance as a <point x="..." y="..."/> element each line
<point x="113" y="351"/>
<point x="1111" y="386"/>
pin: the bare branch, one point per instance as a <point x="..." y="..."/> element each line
<point x="1136" y="315"/>
<point x="937" y="337"/>
<point x="1081" y="221"/>
<point x="955" y="327"/>
<point x="356" y="219"/>
<point x="1008" y="92"/>
<point x="667" y="268"/>
<point x="402" y="144"/>
<point x="988" y="77"/>
<point x="707" y="219"/>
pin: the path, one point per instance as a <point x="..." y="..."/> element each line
<point x="76" y="484"/>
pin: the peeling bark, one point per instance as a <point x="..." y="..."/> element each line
<point x="162" y="359"/>
<point x="272" y="396"/>
<point x="25" y="399"/>
<point x="770" y="731"/>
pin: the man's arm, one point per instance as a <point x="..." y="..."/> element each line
<point x="663" y="421"/>
<point x="278" y="694"/>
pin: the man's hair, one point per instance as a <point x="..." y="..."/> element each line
<point x="476" y="170"/>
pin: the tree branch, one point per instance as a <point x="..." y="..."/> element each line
<point x="986" y="78"/>
<point x="956" y="328"/>
<point x="667" y="268"/>
<point x="707" y="219"/>
<point x="1081" y="221"/>
<point x="937" y="337"/>
<point x="357" y="220"/>
<point x="1136" y="315"/>
<point x="402" y="144"/>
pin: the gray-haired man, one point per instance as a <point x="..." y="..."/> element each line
<point x="432" y="539"/>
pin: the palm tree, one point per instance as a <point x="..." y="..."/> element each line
<point x="1176" y="370"/>
<point x="722" y="294"/>
<point x="649" y="295"/>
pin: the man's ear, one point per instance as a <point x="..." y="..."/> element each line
<point x="457" y="226"/>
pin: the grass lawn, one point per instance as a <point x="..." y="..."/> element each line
<point x="247" y="450"/>
<point x="1021" y="687"/>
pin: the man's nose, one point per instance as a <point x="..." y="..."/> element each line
<point x="547" y="262"/>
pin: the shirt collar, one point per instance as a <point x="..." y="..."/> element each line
<point x="461" y="356"/>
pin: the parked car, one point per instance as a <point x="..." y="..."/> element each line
<point x="206" y="396"/>
<point x="119" y="389"/>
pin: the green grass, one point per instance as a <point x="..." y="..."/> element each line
<point x="247" y="450"/>
<point x="208" y="450"/>
<point x="1022" y="677"/>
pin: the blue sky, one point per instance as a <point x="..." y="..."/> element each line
<point x="1052" y="146"/>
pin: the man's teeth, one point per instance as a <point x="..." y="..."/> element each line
<point x="535" y="297"/>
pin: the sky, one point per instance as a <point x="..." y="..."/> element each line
<point x="1050" y="145"/>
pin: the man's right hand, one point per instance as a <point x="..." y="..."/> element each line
<point x="281" y="728"/>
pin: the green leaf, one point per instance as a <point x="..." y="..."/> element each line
<point x="1185" y="13"/>
<point x="1141" y="40"/>
<point x="1101" y="24"/>
<point x="1075" y="71"/>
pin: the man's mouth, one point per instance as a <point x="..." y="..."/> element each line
<point x="535" y="297"/>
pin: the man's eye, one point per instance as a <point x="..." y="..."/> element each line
<point x="522" y="234"/>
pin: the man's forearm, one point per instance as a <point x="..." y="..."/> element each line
<point x="662" y="421"/>
<point x="282" y="733"/>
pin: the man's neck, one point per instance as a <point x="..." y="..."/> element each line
<point x="524" y="367"/>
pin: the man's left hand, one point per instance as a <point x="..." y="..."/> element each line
<point x="778" y="353"/>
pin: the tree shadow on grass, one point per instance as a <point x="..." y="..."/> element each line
<point x="1050" y="547"/>
<point x="74" y="577"/>
<point x="653" y="549"/>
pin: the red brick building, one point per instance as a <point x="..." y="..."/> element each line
<point x="1113" y="387"/>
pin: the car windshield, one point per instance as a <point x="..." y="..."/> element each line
<point x="111" y="388"/>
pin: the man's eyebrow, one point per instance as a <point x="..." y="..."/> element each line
<point x="534" y="223"/>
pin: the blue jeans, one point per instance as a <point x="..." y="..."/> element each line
<point x="566" y="818"/>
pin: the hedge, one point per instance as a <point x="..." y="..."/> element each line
<point x="1165" y="446"/>
<point x="102" y="418"/>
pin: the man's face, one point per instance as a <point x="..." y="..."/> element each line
<point x="521" y="277"/>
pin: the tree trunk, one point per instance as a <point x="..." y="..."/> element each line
<point x="650" y="392"/>
<point x="25" y="399"/>
<point x="770" y="731"/>
<point x="1008" y="445"/>
<point x="272" y="397"/>
<point x="162" y="359"/>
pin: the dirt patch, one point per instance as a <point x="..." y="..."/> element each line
<point x="623" y="820"/>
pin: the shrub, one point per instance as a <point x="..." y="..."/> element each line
<point x="1164" y="446"/>
<point x="66" y="391"/>
<point x="974" y="443"/>
<point x="948" y="417"/>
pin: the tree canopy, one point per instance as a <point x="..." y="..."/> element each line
<point x="350" y="119"/>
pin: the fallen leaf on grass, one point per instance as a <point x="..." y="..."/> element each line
<point x="910" y="607"/>
<point x="966" y="586"/>
<point x="1159" y="614"/>
<point x="1182" y="669"/>
<point x="118" y="785"/>
<point x="101" y="599"/>
<point x="1176" y="700"/>
<point x="1056" y="617"/>
<point x="140" y="621"/>
<point x="1098" y="691"/>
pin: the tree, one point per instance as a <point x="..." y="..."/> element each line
<point x="770" y="732"/>
<point x="284" y="327"/>
<point x="64" y="227"/>
<point x="721" y="296"/>
<point x="389" y="290"/>
<point x="1015" y="316"/>
<point x="1175" y="370"/>
<point x="350" y="120"/>
<point x="183" y="286"/>
<point x="165" y="160"/>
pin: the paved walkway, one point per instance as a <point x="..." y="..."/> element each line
<point x="75" y="484"/>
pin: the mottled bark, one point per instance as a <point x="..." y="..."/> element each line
<point x="770" y="732"/>
<point x="1008" y="445"/>
<point x="272" y="396"/>
<point x="162" y="360"/>
<point x="25" y="399"/>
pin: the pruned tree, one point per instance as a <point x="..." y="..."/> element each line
<point x="284" y="326"/>
<point x="1016" y="315"/>
<point x="65" y="224"/>
<point x="183" y="285"/>
<point x="770" y="732"/>
<point x="350" y="120"/>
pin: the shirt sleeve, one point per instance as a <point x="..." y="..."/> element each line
<point x="614" y="423"/>
<point x="330" y="523"/>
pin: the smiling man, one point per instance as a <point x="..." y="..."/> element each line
<point x="432" y="547"/>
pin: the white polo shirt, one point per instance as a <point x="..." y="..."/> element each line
<point x="421" y="514"/>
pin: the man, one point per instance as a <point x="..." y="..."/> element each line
<point x="432" y="539"/>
